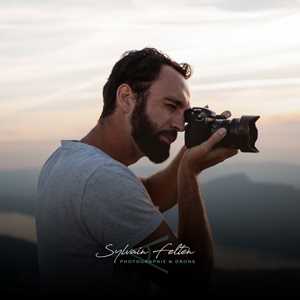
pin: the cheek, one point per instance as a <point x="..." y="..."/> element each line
<point x="161" y="120"/>
<point x="160" y="114"/>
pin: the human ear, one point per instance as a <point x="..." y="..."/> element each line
<point x="125" y="98"/>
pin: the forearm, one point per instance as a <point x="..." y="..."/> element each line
<point x="193" y="228"/>
<point x="162" y="186"/>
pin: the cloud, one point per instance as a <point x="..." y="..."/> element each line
<point x="238" y="5"/>
<point x="266" y="101"/>
<point x="228" y="5"/>
<point x="246" y="84"/>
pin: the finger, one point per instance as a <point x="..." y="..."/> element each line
<point x="220" y="154"/>
<point x="228" y="151"/>
<point x="215" y="138"/>
<point x="229" y="154"/>
<point x="233" y="152"/>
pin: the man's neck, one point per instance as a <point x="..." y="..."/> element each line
<point x="110" y="138"/>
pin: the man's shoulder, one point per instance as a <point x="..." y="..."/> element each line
<point x="113" y="186"/>
<point x="114" y="173"/>
<point x="80" y="163"/>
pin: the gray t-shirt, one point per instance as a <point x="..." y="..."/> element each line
<point x="87" y="200"/>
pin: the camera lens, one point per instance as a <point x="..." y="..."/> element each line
<point x="242" y="133"/>
<point x="250" y="132"/>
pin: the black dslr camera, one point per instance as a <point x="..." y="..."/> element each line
<point x="202" y="123"/>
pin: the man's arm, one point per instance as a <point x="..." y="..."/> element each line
<point x="162" y="186"/>
<point x="193" y="228"/>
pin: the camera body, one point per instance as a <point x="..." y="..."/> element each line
<point x="202" y="123"/>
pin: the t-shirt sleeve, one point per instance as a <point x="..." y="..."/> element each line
<point x="117" y="209"/>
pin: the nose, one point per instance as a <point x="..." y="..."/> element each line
<point x="178" y="122"/>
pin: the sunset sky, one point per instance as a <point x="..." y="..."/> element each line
<point x="55" y="58"/>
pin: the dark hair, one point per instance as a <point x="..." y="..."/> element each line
<point x="138" y="69"/>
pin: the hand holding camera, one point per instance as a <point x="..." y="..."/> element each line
<point x="202" y="123"/>
<point x="212" y="138"/>
<point x="205" y="155"/>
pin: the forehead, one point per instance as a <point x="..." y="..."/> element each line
<point x="171" y="84"/>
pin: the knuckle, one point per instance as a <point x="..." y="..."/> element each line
<point x="205" y="148"/>
<point x="232" y="152"/>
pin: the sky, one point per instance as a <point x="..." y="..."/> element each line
<point x="56" y="55"/>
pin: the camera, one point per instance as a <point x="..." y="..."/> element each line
<point x="201" y="123"/>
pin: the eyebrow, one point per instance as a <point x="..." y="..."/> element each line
<point x="175" y="101"/>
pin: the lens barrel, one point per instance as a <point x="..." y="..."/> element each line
<point x="241" y="133"/>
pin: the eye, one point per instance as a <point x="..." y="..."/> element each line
<point x="171" y="107"/>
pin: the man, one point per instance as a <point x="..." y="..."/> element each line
<point x="91" y="205"/>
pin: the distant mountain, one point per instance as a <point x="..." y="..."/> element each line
<point x="252" y="215"/>
<point x="18" y="182"/>
<point x="262" y="217"/>
<point x="18" y="187"/>
<point x="245" y="214"/>
<point x="24" y="204"/>
<point x="18" y="191"/>
<point x="257" y="171"/>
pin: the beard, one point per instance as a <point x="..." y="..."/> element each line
<point x="146" y="135"/>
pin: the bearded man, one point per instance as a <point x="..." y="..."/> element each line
<point x="91" y="206"/>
